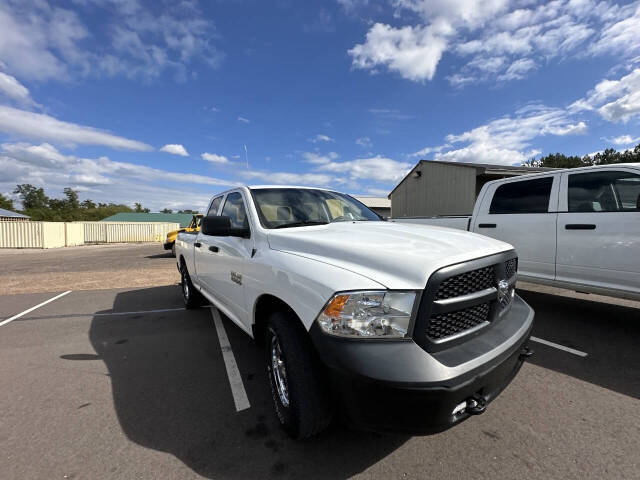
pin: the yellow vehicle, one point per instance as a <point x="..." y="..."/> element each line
<point x="194" y="226"/>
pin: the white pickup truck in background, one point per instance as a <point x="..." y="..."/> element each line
<point x="577" y="229"/>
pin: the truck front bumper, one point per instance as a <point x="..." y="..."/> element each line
<point x="391" y="385"/>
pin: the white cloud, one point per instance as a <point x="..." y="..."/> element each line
<point x="413" y="52"/>
<point x="428" y="150"/>
<point x="290" y="178"/>
<point x="319" y="159"/>
<point x="376" y="168"/>
<point x="214" y="158"/>
<point x="507" y="140"/>
<point x="44" y="127"/>
<point x="44" y="42"/>
<point x="175" y="149"/>
<point x="321" y="138"/>
<point x="518" y="69"/>
<point x="364" y="142"/>
<point x="624" y="140"/>
<point x="497" y="39"/>
<point x="243" y="120"/>
<point x="614" y="100"/>
<point x="103" y="179"/>
<point x="12" y="88"/>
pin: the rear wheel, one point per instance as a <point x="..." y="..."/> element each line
<point x="298" y="386"/>
<point x="192" y="298"/>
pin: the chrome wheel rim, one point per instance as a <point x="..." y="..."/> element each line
<point x="279" y="371"/>
<point x="185" y="286"/>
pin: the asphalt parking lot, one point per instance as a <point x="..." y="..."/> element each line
<point x="124" y="383"/>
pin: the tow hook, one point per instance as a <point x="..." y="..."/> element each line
<point x="476" y="405"/>
<point x="526" y="352"/>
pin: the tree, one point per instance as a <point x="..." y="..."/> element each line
<point x="140" y="209"/>
<point x="5" y="202"/>
<point x="72" y="198"/>
<point x="606" y="157"/>
<point x="88" y="204"/>
<point x="186" y="210"/>
<point x="166" y="210"/>
<point x="32" y="197"/>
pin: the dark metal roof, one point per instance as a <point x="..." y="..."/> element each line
<point x="9" y="213"/>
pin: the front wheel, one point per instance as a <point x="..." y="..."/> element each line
<point x="192" y="298"/>
<point x="298" y="386"/>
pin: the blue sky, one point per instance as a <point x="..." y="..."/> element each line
<point x="155" y="101"/>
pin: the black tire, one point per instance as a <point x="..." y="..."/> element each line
<point x="173" y="249"/>
<point x="192" y="298"/>
<point x="308" y="408"/>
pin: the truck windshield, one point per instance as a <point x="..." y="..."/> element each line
<point x="297" y="207"/>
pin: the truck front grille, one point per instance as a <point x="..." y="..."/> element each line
<point x="448" y="324"/>
<point x="465" y="298"/>
<point x="511" y="267"/>
<point x="467" y="282"/>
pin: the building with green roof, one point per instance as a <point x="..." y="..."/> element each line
<point x="182" y="218"/>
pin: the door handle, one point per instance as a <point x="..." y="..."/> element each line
<point x="197" y="244"/>
<point x="487" y="225"/>
<point x="580" y="226"/>
<point x="214" y="249"/>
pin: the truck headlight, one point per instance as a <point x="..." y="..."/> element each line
<point x="368" y="314"/>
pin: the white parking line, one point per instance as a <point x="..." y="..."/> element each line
<point x="29" y="310"/>
<point x="235" y="379"/>
<point x="559" y="347"/>
<point x="141" y="312"/>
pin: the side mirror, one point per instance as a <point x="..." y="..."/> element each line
<point x="220" y="226"/>
<point x="216" y="226"/>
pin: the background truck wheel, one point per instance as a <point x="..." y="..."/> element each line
<point x="299" y="388"/>
<point x="173" y="249"/>
<point x="192" y="298"/>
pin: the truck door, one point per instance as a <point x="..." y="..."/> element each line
<point x="599" y="229"/>
<point x="201" y="255"/>
<point x="522" y="212"/>
<point x="226" y="261"/>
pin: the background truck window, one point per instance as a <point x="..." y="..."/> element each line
<point x="614" y="191"/>
<point x="528" y="196"/>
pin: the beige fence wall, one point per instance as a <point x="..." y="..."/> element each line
<point x="21" y="234"/>
<point x="115" y="232"/>
<point x="60" y="234"/>
<point x="73" y="234"/>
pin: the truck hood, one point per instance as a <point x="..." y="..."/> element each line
<point x="398" y="256"/>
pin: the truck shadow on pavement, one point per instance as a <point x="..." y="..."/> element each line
<point x="609" y="334"/>
<point x="171" y="393"/>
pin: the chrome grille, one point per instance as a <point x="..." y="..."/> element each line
<point x="448" y="324"/>
<point x="466" y="283"/>
<point x="464" y="298"/>
<point x="511" y="267"/>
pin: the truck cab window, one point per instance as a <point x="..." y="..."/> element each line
<point x="527" y="196"/>
<point x="213" y="210"/>
<point x="234" y="209"/>
<point x="613" y="191"/>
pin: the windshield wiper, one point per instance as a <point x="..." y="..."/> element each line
<point x="299" y="224"/>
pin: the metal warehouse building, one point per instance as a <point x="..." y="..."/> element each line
<point x="446" y="188"/>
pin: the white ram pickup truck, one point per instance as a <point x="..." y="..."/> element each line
<point x="577" y="229"/>
<point x="394" y="327"/>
